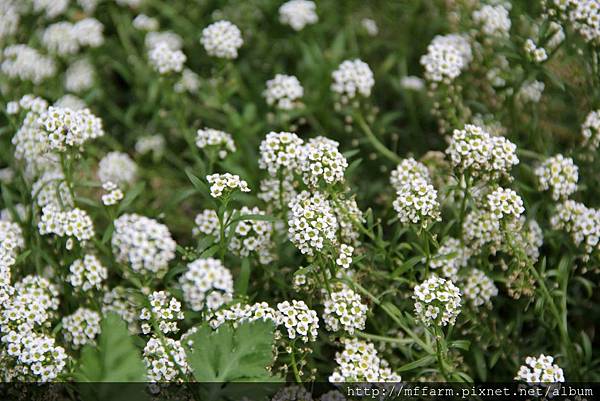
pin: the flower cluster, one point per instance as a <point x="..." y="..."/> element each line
<point x="212" y="140"/>
<point x="344" y="310"/>
<point x="238" y="314"/>
<point x="479" y="288"/>
<point x="353" y="77"/>
<point x="298" y="13"/>
<point x="165" y="60"/>
<point x="122" y="302"/>
<point x="300" y="321"/>
<point x="312" y="222"/>
<point x="222" y="185"/>
<point x="320" y="162"/>
<point x="143" y="243"/>
<point x="447" y="56"/>
<point x="284" y="92"/>
<point x="165" y="365"/>
<point x="145" y="23"/>
<point x="222" y="39"/>
<point x="360" y="362"/>
<point x="407" y="171"/>
<point x="590" y="129"/>
<point x="474" y="151"/>
<point x="583" y="15"/>
<point x="164" y="311"/>
<point x="79" y="76"/>
<point x="535" y="53"/>
<point x="66" y="128"/>
<point x="118" y="168"/>
<point x="437" y="301"/>
<point x="114" y="193"/>
<point x="206" y="283"/>
<point x="27" y="64"/>
<point x="559" y="174"/>
<point x="252" y="236"/>
<point x="345" y="256"/>
<point x="416" y="202"/>
<point x="540" y="370"/>
<point x="450" y="257"/>
<point x="81" y="327"/>
<point x="505" y="203"/>
<point x="64" y="38"/>
<point x="71" y="223"/>
<point x="531" y="91"/>
<point x="493" y="19"/>
<point x="581" y="222"/>
<point x="279" y="152"/>
<point x="87" y="273"/>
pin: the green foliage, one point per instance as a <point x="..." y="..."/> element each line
<point x="231" y="354"/>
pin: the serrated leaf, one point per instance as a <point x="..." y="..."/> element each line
<point x="114" y="360"/>
<point x="231" y="354"/>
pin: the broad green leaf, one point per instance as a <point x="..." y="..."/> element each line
<point x="231" y="354"/>
<point x="114" y="359"/>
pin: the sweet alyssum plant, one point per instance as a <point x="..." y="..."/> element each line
<point x="405" y="201"/>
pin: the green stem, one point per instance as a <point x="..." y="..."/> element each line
<point x="381" y="148"/>
<point x="295" y="366"/>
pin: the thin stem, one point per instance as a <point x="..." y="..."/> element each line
<point x="295" y="366"/>
<point x="375" y="142"/>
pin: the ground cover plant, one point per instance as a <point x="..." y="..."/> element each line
<point x="260" y="190"/>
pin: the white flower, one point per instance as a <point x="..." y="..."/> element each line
<point x="416" y="202"/>
<point x="284" y="92"/>
<point x="212" y="139"/>
<point x="118" y="168"/>
<point x="505" y="203"/>
<point x="298" y="13"/>
<point x="145" y="23"/>
<point x="87" y="273"/>
<point x="143" y="243"/>
<point x="280" y="152"/>
<point x="540" y="369"/>
<point x="353" y="77"/>
<point x="27" y="64"/>
<point x="79" y="76"/>
<point x="344" y="310"/>
<point x="73" y="223"/>
<point x="360" y="362"/>
<point x="224" y="184"/>
<point x="531" y="91"/>
<point x="300" y="321"/>
<point x="447" y="56"/>
<point x="222" y="39"/>
<point x="370" y="26"/>
<point x="81" y="327"/>
<point x="238" y="314"/>
<point x="494" y="20"/>
<point x="437" y="301"/>
<point x="66" y="128"/>
<point x="479" y="288"/>
<point x="559" y="174"/>
<point x="590" y="130"/>
<point x="321" y="162"/>
<point x="412" y="83"/>
<point x="164" y="60"/>
<point x="312" y="222"/>
<point x="164" y="310"/>
<point x="165" y="365"/>
<point x="206" y="283"/>
<point x="474" y="151"/>
<point x="450" y="258"/>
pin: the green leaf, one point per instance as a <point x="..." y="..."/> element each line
<point x="425" y="361"/>
<point x="231" y="354"/>
<point x="114" y="360"/>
